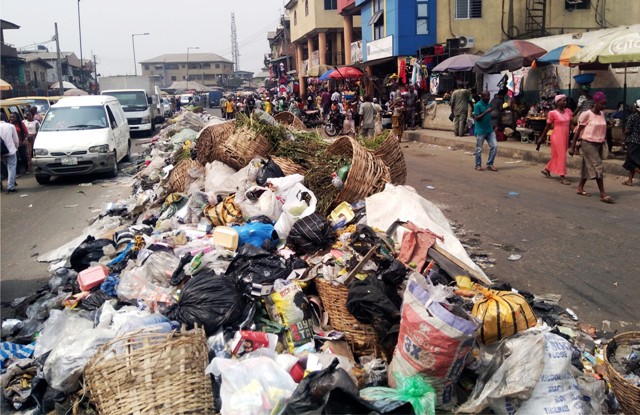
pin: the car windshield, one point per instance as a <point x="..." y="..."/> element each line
<point x="74" y="118"/>
<point x="41" y="104"/>
<point x="131" y="100"/>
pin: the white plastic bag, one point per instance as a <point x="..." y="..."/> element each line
<point x="216" y="174"/>
<point x="251" y="386"/>
<point x="52" y="332"/>
<point x="300" y="202"/>
<point x="267" y="204"/>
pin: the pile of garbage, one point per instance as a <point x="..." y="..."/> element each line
<point x="227" y="283"/>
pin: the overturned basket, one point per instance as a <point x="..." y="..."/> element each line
<point x="390" y="153"/>
<point x="209" y="138"/>
<point x="626" y="392"/>
<point x="241" y="147"/>
<point x="288" y="166"/>
<point x="289" y="118"/>
<point x="361" y="337"/>
<point x="152" y="373"/>
<point x="183" y="175"/>
<point x="367" y="174"/>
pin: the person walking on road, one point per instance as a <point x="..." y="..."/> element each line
<point x="484" y="131"/>
<point x="21" y="130"/>
<point x="460" y="102"/>
<point x="368" y="113"/>
<point x="560" y="121"/>
<point x="10" y="144"/>
<point x="592" y="133"/>
<point x="632" y="133"/>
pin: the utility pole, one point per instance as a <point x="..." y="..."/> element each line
<point x="95" y="75"/>
<point x="235" y="52"/>
<point x="80" y="34"/>
<point x="58" y="63"/>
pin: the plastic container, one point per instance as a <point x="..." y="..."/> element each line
<point x="584" y="78"/>
<point x="226" y="237"/>
<point x="92" y="276"/>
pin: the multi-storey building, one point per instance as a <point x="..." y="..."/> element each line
<point x="208" y="69"/>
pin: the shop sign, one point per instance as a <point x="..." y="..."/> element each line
<point x="381" y="48"/>
<point x="356" y="52"/>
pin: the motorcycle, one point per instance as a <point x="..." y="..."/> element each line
<point x="311" y="119"/>
<point x="334" y="124"/>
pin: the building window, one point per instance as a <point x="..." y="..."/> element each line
<point x="331" y="4"/>
<point x="183" y="66"/>
<point x="422" y="18"/>
<point x="295" y="17"/>
<point x="206" y="65"/>
<point x="217" y="66"/>
<point x="173" y="78"/>
<point x="306" y="7"/>
<point x="146" y="67"/>
<point x="377" y="20"/>
<point x="468" y="9"/>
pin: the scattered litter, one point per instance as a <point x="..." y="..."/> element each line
<point x="513" y="194"/>
<point x="31" y="205"/>
<point x="24" y="195"/>
<point x="572" y="314"/>
<point x="513" y="162"/>
<point x="514" y="257"/>
<point x="85" y="184"/>
<point x="431" y="187"/>
<point x="72" y="206"/>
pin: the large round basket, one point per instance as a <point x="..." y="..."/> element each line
<point x="367" y="175"/>
<point x="241" y="147"/>
<point x="183" y="175"/>
<point x="151" y="373"/>
<point x="289" y="119"/>
<point x="627" y="393"/>
<point x="288" y="166"/>
<point x="208" y="140"/>
<point x="390" y="153"/>
<point x="361" y="337"/>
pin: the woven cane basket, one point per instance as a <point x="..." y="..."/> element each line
<point x="367" y="175"/>
<point x="209" y="137"/>
<point x="151" y="373"/>
<point x="390" y="153"/>
<point x="627" y="394"/>
<point x="288" y="166"/>
<point x="241" y="147"/>
<point x="289" y="119"/>
<point x="181" y="177"/>
<point x="361" y="337"/>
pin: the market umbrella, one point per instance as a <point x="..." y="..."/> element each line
<point x="5" y="86"/>
<point x="65" y="85"/>
<point x="508" y="56"/>
<point x="620" y="48"/>
<point x="346" y="72"/>
<point x="316" y="71"/>
<point x="464" y="62"/>
<point x="559" y="56"/>
<point x="325" y="76"/>
<point x="74" y="92"/>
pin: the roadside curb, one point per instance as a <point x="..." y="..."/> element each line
<point x="505" y="150"/>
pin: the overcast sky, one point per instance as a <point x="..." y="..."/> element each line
<point x="107" y="26"/>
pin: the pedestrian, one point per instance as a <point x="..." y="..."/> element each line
<point x="411" y="98"/>
<point x="484" y="131"/>
<point x="223" y="107"/>
<point x="460" y="103"/>
<point x="32" y="127"/>
<point x="560" y="121"/>
<point x="378" y="117"/>
<point x="178" y="103"/>
<point x="10" y="144"/>
<point x="230" y="108"/>
<point x="368" y="113"/>
<point x="325" y="102"/>
<point x="632" y="134"/>
<point x="336" y="96"/>
<point x="592" y="132"/>
<point x="34" y="111"/>
<point x="496" y="109"/>
<point x="21" y="130"/>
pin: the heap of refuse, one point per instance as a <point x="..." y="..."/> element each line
<point x="258" y="269"/>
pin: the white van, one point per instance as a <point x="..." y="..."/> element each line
<point x="81" y="135"/>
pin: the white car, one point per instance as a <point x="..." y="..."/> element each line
<point x="186" y="99"/>
<point x="81" y="135"/>
<point x="166" y="107"/>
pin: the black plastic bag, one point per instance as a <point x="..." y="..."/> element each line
<point x="95" y="300"/>
<point x="211" y="301"/>
<point x="311" y="234"/>
<point x="328" y="391"/>
<point x="178" y="275"/>
<point x="90" y="250"/>
<point x="269" y="171"/>
<point x="253" y="265"/>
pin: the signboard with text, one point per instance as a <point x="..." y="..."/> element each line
<point x="381" y="48"/>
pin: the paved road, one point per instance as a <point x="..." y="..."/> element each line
<point x="575" y="246"/>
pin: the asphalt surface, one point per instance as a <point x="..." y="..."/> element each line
<point x="575" y="246"/>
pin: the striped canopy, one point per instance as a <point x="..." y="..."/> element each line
<point x="559" y="56"/>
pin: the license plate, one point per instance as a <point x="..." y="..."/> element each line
<point x="69" y="161"/>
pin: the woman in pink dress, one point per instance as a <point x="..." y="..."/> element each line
<point x="560" y="120"/>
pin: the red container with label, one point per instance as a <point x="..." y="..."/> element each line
<point x="91" y="277"/>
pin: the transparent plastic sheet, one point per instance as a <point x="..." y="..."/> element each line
<point x="52" y="332"/>
<point x="149" y="282"/>
<point x="253" y="385"/>
<point x="415" y="390"/>
<point x="217" y="175"/>
<point x="96" y="229"/>
<point x="67" y="359"/>
<point x="184" y="135"/>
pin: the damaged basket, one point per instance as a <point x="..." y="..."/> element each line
<point x="209" y="139"/>
<point x="626" y="392"/>
<point x="289" y="119"/>
<point x="241" y="147"/>
<point x="361" y="337"/>
<point x="182" y="176"/>
<point x="155" y="373"/>
<point x="391" y="154"/>
<point x="288" y="166"/>
<point x="367" y="174"/>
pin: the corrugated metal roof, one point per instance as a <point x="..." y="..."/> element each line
<point x="182" y="57"/>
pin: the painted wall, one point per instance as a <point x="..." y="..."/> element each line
<point x="318" y="18"/>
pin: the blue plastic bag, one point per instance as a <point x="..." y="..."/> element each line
<point x="255" y="233"/>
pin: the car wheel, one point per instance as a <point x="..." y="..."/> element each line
<point x="127" y="157"/>
<point x="42" y="178"/>
<point x="114" y="170"/>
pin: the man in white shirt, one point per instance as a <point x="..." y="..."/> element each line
<point x="336" y="97"/>
<point x="10" y="141"/>
<point x="368" y="112"/>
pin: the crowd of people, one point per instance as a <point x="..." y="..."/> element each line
<point x="18" y="137"/>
